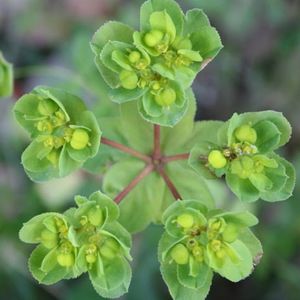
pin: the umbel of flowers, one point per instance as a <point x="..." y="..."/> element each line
<point x="64" y="133"/>
<point x="157" y="64"/>
<point x="198" y="242"/>
<point x="243" y="151"/>
<point x="87" y="238"/>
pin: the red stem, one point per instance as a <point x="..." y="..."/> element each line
<point x="156" y="151"/>
<point x="147" y="170"/>
<point x="171" y="158"/>
<point x="169" y="183"/>
<point x="126" y="149"/>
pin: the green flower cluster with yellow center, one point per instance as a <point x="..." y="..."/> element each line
<point x="198" y="242"/>
<point x="243" y="150"/>
<point x="64" y="133"/>
<point x="157" y="64"/>
<point x="84" y="239"/>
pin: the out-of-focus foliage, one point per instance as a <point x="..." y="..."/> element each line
<point x="258" y="69"/>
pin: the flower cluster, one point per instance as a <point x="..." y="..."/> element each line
<point x="84" y="239"/>
<point x="244" y="152"/>
<point x="6" y="77"/>
<point x="64" y="133"/>
<point x="197" y="242"/>
<point x="157" y="64"/>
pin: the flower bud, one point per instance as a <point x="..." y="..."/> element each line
<point x="216" y="159"/>
<point x="44" y="126"/>
<point x="180" y="254"/>
<point x="246" y="133"/>
<point x="198" y="253"/>
<point x="65" y="259"/>
<point x="91" y="258"/>
<point x="230" y="233"/>
<point x="48" y="239"/>
<point x="110" y="248"/>
<point x="47" y="107"/>
<point x="80" y="139"/>
<point x="185" y="220"/>
<point x="215" y="245"/>
<point x="129" y="80"/>
<point x="95" y="216"/>
<point x="153" y="37"/>
<point x="134" y="57"/>
<point x="166" y="97"/>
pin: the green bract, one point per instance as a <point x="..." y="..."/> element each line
<point x="64" y="133"/>
<point x="6" y="77"/>
<point x="243" y="150"/>
<point x="84" y="239"/>
<point x="198" y="242"/>
<point x="156" y="65"/>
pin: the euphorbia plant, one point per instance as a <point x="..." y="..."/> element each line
<point x="159" y="174"/>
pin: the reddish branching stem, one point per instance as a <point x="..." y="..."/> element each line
<point x="183" y="156"/>
<point x="169" y="184"/>
<point x="126" y="149"/>
<point x="146" y="171"/>
<point x="156" y="151"/>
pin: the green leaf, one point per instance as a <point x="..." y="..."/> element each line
<point x="35" y="262"/>
<point x="233" y="271"/>
<point x="115" y="280"/>
<point x="105" y="202"/>
<point x="66" y="164"/>
<point x="286" y="190"/>
<point x="242" y="188"/>
<point x="207" y="41"/>
<point x="170" y="6"/>
<point x="6" y="77"/>
<point x="178" y="291"/>
<point x="111" y="31"/>
<point x="31" y="230"/>
<point x="193" y="282"/>
<point x="240" y="218"/>
<point x="170" y="115"/>
<point x="268" y="136"/>
<point x="113" y="57"/>
<point x="253" y="244"/>
<point x="195" y="19"/>
<point x="122" y="95"/>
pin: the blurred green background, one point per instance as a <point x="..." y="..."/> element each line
<point x="259" y="68"/>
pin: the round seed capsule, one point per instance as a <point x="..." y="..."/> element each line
<point x="80" y="139"/>
<point x="185" y="220"/>
<point x="180" y="254"/>
<point x="153" y="37"/>
<point x="128" y="79"/>
<point x="134" y="57"/>
<point x="166" y="97"/>
<point x="65" y="259"/>
<point x="216" y="159"/>
<point x="246" y="133"/>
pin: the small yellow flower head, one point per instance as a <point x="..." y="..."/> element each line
<point x="180" y="254"/>
<point x="134" y="57"/>
<point x="166" y="97"/>
<point x="80" y="139"/>
<point x="246" y="133"/>
<point x="91" y="255"/>
<point x="153" y="37"/>
<point x="198" y="253"/>
<point x="65" y="259"/>
<point x="44" y="126"/>
<point x="216" y="159"/>
<point x="47" y="107"/>
<point x="49" y="142"/>
<point x="95" y="216"/>
<point x="185" y="220"/>
<point x="129" y="80"/>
